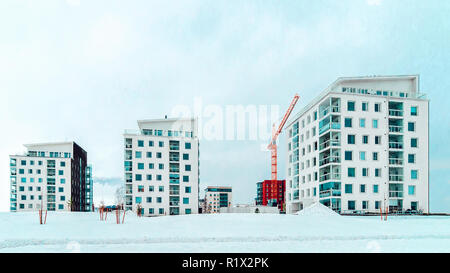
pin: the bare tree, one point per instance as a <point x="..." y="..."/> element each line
<point x="120" y="195"/>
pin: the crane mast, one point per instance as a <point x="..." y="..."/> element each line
<point x="275" y="133"/>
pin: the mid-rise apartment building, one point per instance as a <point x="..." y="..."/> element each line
<point x="161" y="167"/>
<point x="54" y="176"/>
<point x="217" y="197"/>
<point x="361" y="145"/>
<point x="271" y="193"/>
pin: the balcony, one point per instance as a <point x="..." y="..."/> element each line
<point x="174" y="192"/>
<point x="395" y="194"/>
<point x="330" y="192"/>
<point x="395" y="145"/>
<point x="174" y="203"/>
<point x="395" y="113"/>
<point x="328" y="143"/>
<point x="395" y="129"/>
<point x="330" y="159"/>
<point x="395" y="177"/>
<point x="330" y="176"/>
<point x="395" y="161"/>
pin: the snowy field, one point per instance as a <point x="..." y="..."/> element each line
<point x="316" y="231"/>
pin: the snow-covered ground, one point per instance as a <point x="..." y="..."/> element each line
<point x="316" y="231"/>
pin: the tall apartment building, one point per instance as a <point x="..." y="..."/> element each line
<point x="55" y="175"/>
<point x="271" y="193"/>
<point x="361" y="145"/>
<point x="162" y="167"/>
<point x="217" y="197"/>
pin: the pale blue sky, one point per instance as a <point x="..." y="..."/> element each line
<point x="86" y="70"/>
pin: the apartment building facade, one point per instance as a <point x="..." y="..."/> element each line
<point x="361" y="145"/>
<point x="51" y="176"/>
<point x="217" y="197"/>
<point x="271" y="193"/>
<point x="161" y="166"/>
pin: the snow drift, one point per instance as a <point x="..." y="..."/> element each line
<point x="317" y="209"/>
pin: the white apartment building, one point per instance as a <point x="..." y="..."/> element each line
<point x="361" y="145"/>
<point x="54" y="176"/>
<point x="162" y="167"/>
<point x="217" y="197"/>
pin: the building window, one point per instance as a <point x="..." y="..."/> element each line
<point x="185" y="178"/>
<point x="375" y="123"/>
<point x="161" y="144"/>
<point x="348" y="155"/>
<point x="138" y="200"/>
<point x="362" y="122"/>
<point x="411" y="190"/>
<point x="149" y="154"/>
<point x="350" y="106"/>
<point x="185" y="156"/>
<point x="411" y="127"/>
<point x="414" y="174"/>
<point x="411" y="158"/>
<point x="351" y="139"/>
<point x="365" y="139"/>
<point x="377" y="139"/>
<point x="140" y="166"/>
<point x="151" y="166"/>
<point x="362" y="188"/>
<point x="365" y="172"/>
<point x="185" y="200"/>
<point x="413" y="110"/>
<point x="375" y="188"/>
<point x="413" y="142"/>
<point x="187" y="167"/>
<point x="377" y="172"/>
<point x="187" y="145"/>
<point x="375" y="156"/>
<point x="362" y="155"/>
<point x="365" y="106"/>
<point x="187" y="189"/>
<point x="351" y="172"/>
<point x="187" y="211"/>
<point x="377" y="107"/>
<point x="348" y="122"/>
<point x="140" y="143"/>
<point x="138" y="154"/>
<point x="138" y="177"/>
<point x="158" y="155"/>
<point x="351" y="205"/>
<point x="151" y="143"/>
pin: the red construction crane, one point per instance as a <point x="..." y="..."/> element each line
<point x="273" y="143"/>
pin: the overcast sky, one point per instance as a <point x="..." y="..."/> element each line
<point x="86" y="70"/>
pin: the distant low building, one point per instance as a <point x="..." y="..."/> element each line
<point x="245" y="208"/>
<point x="217" y="197"/>
<point x="271" y="193"/>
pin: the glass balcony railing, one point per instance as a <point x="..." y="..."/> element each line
<point x="395" y="161"/>
<point x="330" y="176"/>
<point x="330" y="159"/>
<point x="395" y="129"/>
<point x="395" y="177"/>
<point x="395" y="113"/>
<point x="395" y="194"/>
<point x="329" y="143"/>
<point x="329" y="193"/>
<point x="395" y="145"/>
